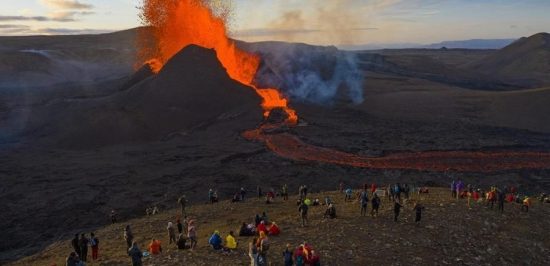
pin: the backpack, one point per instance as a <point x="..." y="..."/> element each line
<point x="299" y="260"/>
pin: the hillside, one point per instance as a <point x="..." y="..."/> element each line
<point x="526" y="59"/>
<point x="449" y="233"/>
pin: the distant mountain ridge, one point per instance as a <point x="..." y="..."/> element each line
<point x="459" y="44"/>
<point x="472" y="44"/>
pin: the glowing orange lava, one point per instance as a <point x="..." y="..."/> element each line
<point x="179" y="23"/>
<point x="291" y="147"/>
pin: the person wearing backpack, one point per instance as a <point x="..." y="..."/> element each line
<point x="363" y="200"/>
<point x="287" y="256"/>
<point x="94" y="243"/>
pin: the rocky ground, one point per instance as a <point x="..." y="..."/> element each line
<point x="449" y="234"/>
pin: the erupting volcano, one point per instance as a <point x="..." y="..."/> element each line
<point x="176" y="24"/>
<point x="179" y="23"/>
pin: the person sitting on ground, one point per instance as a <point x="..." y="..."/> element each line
<point x="316" y="202"/>
<point x="348" y="194"/>
<point x="135" y="253"/>
<point x="314" y="259"/>
<point x="155" y="247"/>
<point x="423" y="190"/>
<point x="269" y="197"/>
<point x="261" y="227"/>
<point x="247" y="230"/>
<point x="230" y="242"/>
<point x="71" y="260"/>
<point x="274" y="230"/>
<point x="215" y="240"/>
<point x="180" y="242"/>
<point x="330" y="212"/>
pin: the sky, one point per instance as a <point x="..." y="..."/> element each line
<point x="325" y="22"/>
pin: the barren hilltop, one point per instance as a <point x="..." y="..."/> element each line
<point x="449" y="233"/>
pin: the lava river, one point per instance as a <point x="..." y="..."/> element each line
<point x="291" y="147"/>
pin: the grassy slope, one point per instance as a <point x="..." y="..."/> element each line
<point x="448" y="234"/>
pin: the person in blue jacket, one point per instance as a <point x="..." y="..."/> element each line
<point x="215" y="240"/>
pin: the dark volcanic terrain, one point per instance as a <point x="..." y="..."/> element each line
<point x="71" y="152"/>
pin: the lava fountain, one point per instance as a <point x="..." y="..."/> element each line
<point x="179" y="23"/>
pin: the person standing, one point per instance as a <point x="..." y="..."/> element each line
<point x="76" y="245"/>
<point x="363" y="200"/>
<point x="243" y="193"/>
<point x="128" y="236"/>
<point x="179" y="226"/>
<point x="94" y="243"/>
<point x="113" y="216"/>
<point x="253" y="253"/>
<point x="373" y="188"/>
<point x="285" y="192"/>
<point x="302" y="209"/>
<point x="259" y="190"/>
<point x="418" y="208"/>
<point x="375" y="205"/>
<point x="287" y="256"/>
<point x="182" y="202"/>
<point x="83" y="243"/>
<point x="135" y="253"/>
<point x="396" y="209"/>
<point x="171" y="232"/>
<point x="501" y="198"/>
<point x="192" y="234"/>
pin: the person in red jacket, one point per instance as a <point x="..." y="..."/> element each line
<point x="261" y="227"/>
<point x="274" y="229"/>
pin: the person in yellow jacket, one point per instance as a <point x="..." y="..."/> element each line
<point x="230" y="241"/>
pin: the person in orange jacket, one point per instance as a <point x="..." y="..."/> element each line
<point x="155" y="247"/>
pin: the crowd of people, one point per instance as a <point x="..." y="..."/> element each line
<point x="182" y="232"/>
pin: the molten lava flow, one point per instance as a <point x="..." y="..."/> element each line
<point x="291" y="147"/>
<point x="179" y="23"/>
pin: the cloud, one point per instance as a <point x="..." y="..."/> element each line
<point x="36" y="18"/>
<point x="67" y="31"/>
<point x="8" y="29"/>
<point x="68" y="15"/>
<point x="66" y="4"/>
<point x="272" y="32"/>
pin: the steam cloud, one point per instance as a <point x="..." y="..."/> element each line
<point x="307" y="73"/>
